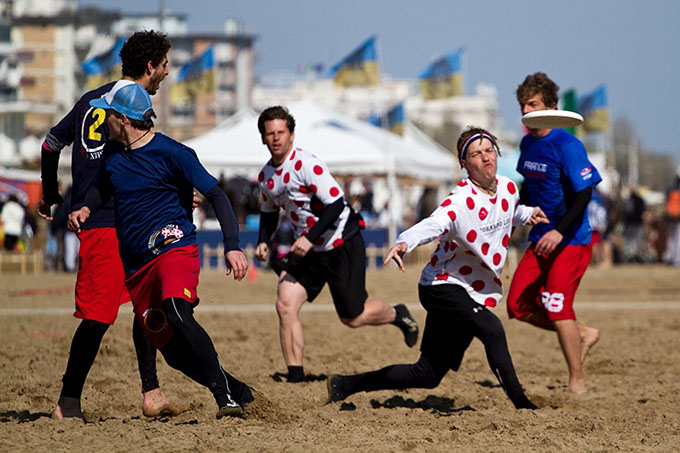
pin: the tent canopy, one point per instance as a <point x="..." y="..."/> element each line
<point x="347" y="145"/>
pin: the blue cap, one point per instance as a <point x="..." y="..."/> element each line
<point x="126" y="97"/>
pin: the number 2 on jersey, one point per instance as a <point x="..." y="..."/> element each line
<point x="99" y="115"/>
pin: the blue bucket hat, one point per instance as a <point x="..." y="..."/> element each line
<point x="126" y="97"/>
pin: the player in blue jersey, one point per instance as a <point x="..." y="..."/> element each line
<point x="100" y="285"/>
<point x="559" y="178"/>
<point x="151" y="179"/>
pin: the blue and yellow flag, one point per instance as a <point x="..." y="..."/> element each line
<point x="360" y="68"/>
<point x="393" y="120"/>
<point x="595" y="110"/>
<point x="194" y="78"/>
<point x="105" y="67"/>
<point x="443" y="78"/>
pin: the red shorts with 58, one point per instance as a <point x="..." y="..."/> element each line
<point x="548" y="283"/>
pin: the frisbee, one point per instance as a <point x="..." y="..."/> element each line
<point x="551" y="119"/>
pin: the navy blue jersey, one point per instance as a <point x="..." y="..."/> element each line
<point x="152" y="189"/>
<point x="84" y="127"/>
<point x="555" y="168"/>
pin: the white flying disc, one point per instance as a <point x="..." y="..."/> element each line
<point x="551" y="119"/>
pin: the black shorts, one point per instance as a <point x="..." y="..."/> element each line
<point x="343" y="268"/>
<point x="453" y="320"/>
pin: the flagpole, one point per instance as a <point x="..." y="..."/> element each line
<point x="465" y="74"/>
<point x="391" y="165"/>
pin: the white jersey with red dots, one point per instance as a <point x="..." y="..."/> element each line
<point x="474" y="234"/>
<point x="302" y="186"/>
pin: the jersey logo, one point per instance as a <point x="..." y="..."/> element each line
<point x="163" y="237"/>
<point x="92" y="133"/>
<point x="586" y="173"/>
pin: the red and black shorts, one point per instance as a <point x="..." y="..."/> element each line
<point x="100" y="284"/>
<point x="548" y="283"/>
<point x="343" y="268"/>
<point x="172" y="274"/>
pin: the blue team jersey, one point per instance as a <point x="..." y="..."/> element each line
<point x="84" y="127"/>
<point x="152" y="188"/>
<point x="555" y="168"/>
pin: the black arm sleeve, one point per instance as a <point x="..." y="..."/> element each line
<point x="49" y="162"/>
<point x="524" y="195"/>
<point x="94" y="199"/>
<point x="329" y="215"/>
<point x="576" y="210"/>
<point x="225" y="216"/>
<point x="268" y="223"/>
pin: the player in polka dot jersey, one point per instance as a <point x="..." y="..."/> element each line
<point x="328" y="247"/>
<point x="462" y="279"/>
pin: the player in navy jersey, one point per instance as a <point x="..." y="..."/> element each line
<point x="151" y="179"/>
<point x="560" y="179"/>
<point x="100" y="282"/>
<point x="328" y="247"/>
<point x="462" y="280"/>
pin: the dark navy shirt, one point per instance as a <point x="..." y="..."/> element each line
<point x="555" y="168"/>
<point x="84" y="127"/>
<point x="152" y="189"/>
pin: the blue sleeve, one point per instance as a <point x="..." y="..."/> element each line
<point x="579" y="171"/>
<point x="186" y="162"/>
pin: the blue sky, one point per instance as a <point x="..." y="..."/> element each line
<point x="630" y="46"/>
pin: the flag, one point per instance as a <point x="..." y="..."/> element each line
<point x="393" y="120"/>
<point x="194" y="78"/>
<point x="311" y="68"/>
<point x="444" y="77"/>
<point x="105" y="67"/>
<point x="359" y="68"/>
<point x="595" y="110"/>
<point x="569" y="103"/>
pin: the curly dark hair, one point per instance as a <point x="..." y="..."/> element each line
<point x="277" y="112"/>
<point x="143" y="47"/>
<point x="535" y="84"/>
<point x="469" y="132"/>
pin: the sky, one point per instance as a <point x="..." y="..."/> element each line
<point x="631" y="46"/>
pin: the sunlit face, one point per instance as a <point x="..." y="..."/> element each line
<point x="158" y="73"/>
<point x="534" y="103"/>
<point x="115" y="125"/>
<point x="480" y="161"/>
<point x="278" y="139"/>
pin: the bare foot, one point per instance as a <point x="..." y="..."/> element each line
<point x="156" y="404"/>
<point x="589" y="336"/>
<point x="578" y="387"/>
<point x="68" y="408"/>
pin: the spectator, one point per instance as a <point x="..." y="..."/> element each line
<point x="13" y="222"/>
<point x="672" y="214"/>
<point x="633" y="232"/>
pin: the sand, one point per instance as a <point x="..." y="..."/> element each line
<point x="633" y="403"/>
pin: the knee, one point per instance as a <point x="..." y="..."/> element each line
<point x="352" y="322"/>
<point x="287" y="307"/>
<point x="94" y="328"/>
<point x="426" y="375"/>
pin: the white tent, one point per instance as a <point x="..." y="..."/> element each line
<point x="346" y="144"/>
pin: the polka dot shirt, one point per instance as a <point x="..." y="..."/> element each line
<point x="474" y="234"/>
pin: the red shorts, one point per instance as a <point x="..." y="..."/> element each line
<point x="548" y="283"/>
<point x="595" y="238"/>
<point x="172" y="274"/>
<point x="100" y="285"/>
